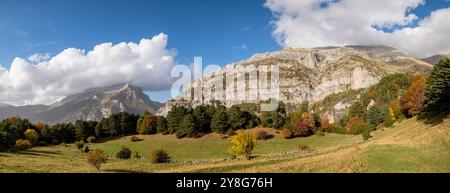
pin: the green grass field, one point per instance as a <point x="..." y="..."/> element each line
<point x="409" y="146"/>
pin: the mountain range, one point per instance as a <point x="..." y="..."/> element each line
<point x="92" y="104"/>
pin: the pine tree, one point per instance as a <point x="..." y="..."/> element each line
<point x="376" y="115"/>
<point x="236" y="118"/>
<point x="437" y="93"/>
<point x="219" y="121"/>
<point x="161" y="125"/>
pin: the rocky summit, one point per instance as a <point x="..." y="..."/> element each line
<point x="304" y="75"/>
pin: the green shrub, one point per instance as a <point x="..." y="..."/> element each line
<point x="335" y="128"/>
<point x="97" y="158"/>
<point x="159" y="156"/>
<point x="366" y="135"/>
<point x="124" y="153"/>
<point x="136" y="155"/>
<point x="86" y="149"/>
<point x="388" y="120"/>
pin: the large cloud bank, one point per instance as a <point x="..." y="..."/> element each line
<point x="317" y="23"/>
<point x="42" y="79"/>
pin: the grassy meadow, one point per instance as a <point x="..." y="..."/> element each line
<point x="409" y="146"/>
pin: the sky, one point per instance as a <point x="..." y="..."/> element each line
<point x="50" y="49"/>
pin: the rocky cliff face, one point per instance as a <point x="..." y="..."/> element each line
<point x="93" y="104"/>
<point x="304" y="75"/>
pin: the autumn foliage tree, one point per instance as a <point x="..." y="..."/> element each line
<point x="97" y="158"/>
<point x="147" y="124"/>
<point x="242" y="143"/>
<point x="353" y="125"/>
<point x="412" y="101"/>
<point x="305" y="126"/>
<point x="32" y="136"/>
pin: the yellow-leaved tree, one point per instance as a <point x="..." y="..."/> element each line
<point x="242" y="143"/>
<point x="32" y="136"/>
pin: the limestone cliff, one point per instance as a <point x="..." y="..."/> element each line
<point x="304" y="75"/>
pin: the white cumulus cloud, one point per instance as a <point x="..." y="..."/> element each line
<point x="42" y="79"/>
<point x="316" y="23"/>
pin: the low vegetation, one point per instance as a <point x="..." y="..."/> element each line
<point x="124" y="153"/>
<point x="96" y="158"/>
<point x="242" y="143"/>
<point x="159" y="156"/>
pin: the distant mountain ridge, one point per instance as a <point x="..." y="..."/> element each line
<point x="435" y="59"/>
<point x="92" y="104"/>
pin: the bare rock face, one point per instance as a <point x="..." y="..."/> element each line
<point x="304" y="75"/>
<point x="93" y="104"/>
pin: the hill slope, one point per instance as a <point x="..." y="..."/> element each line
<point x="435" y="59"/>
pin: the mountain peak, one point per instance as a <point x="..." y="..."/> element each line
<point x="95" y="103"/>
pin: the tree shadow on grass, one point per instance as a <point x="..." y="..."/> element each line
<point x="4" y="155"/>
<point x="123" y="171"/>
<point x="38" y="153"/>
<point x="111" y="138"/>
<point x="434" y="118"/>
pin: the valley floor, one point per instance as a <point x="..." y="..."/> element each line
<point x="409" y="146"/>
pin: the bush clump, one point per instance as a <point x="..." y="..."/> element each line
<point x="32" y="136"/>
<point x="22" y="145"/>
<point x="124" y="153"/>
<point x="260" y="134"/>
<point x="91" y="139"/>
<point x="366" y="135"/>
<point x="55" y="142"/>
<point x="159" y="156"/>
<point x="135" y="139"/>
<point x="335" y="128"/>
<point x="242" y="143"/>
<point x="86" y="149"/>
<point x="79" y="145"/>
<point x="97" y="158"/>
<point x="136" y="155"/>
<point x="286" y="133"/>
<point x="303" y="148"/>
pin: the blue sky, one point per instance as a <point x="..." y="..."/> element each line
<point x="219" y="31"/>
<point x="215" y="30"/>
